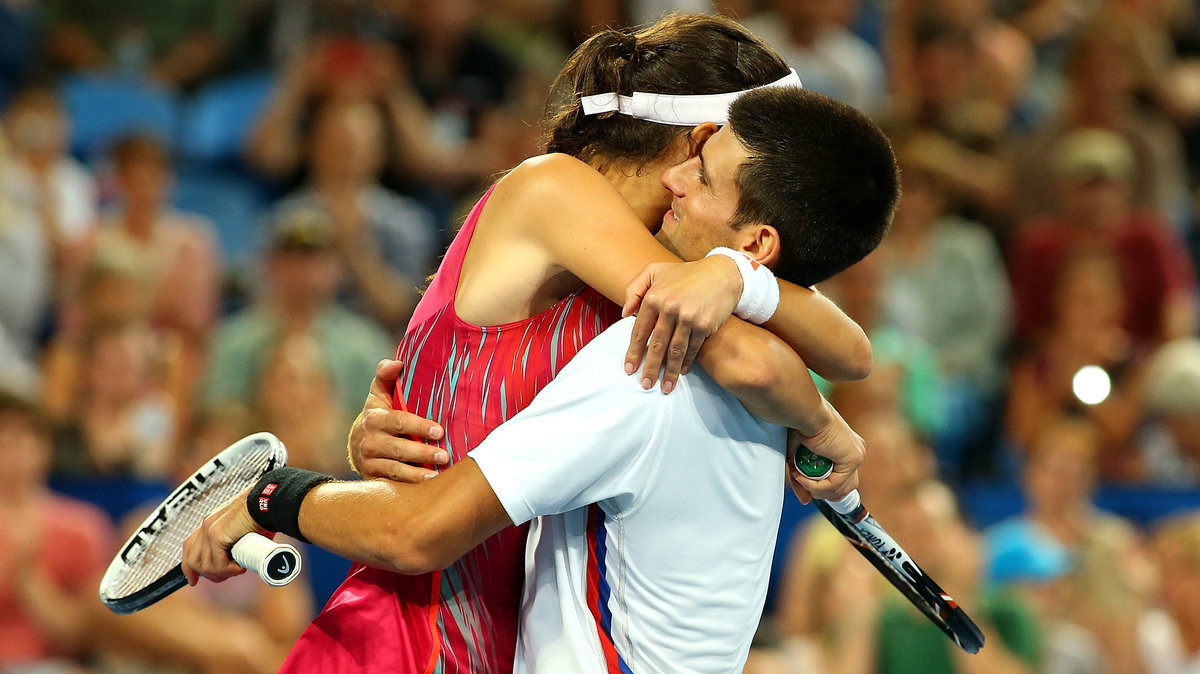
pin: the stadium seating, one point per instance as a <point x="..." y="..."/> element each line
<point x="217" y="119"/>
<point x="101" y="108"/>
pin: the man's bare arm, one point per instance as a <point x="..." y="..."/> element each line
<point x="774" y="384"/>
<point x="405" y="528"/>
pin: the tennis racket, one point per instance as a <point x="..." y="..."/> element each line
<point x="851" y="518"/>
<point x="148" y="566"/>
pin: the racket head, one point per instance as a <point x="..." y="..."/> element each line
<point x="920" y="590"/>
<point x="147" y="567"/>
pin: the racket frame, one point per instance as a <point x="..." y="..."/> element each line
<point x="169" y="511"/>
<point x="867" y="536"/>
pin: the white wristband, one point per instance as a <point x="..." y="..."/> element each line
<point x="760" y="290"/>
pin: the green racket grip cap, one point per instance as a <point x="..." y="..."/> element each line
<point x="812" y="465"/>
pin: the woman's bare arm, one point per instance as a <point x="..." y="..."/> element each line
<point x="832" y="344"/>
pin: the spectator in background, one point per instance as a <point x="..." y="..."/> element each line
<point x="177" y="257"/>
<point x="905" y="377"/>
<point x="939" y="86"/>
<point x="303" y="273"/>
<point x="1172" y="450"/>
<point x="1093" y="169"/>
<point x="53" y="551"/>
<point x="341" y="70"/>
<point x="112" y="292"/>
<point x="944" y="282"/>
<point x="1170" y="639"/>
<point x="1088" y="330"/>
<point x="349" y="70"/>
<point x="829" y="58"/>
<point x="384" y="240"/>
<point x="460" y="75"/>
<point x="41" y="177"/>
<point x="49" y="207"/>
<point x="1104" y="578"/>
<point x="296" y="400"/>
<point x="123" y="423"/>
<point x="1002" y="56"/>
<point x="1102" y="89"/>
<point x="933" y="531"/>
<point x="175" y="43"/>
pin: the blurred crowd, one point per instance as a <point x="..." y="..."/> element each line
<point x="216" y="215"/>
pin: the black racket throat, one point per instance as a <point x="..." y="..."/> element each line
<point x="918" y="587"/>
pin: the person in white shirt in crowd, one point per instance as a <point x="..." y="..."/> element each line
<point x="47" y="204"/>
<point x="812" y="37"/>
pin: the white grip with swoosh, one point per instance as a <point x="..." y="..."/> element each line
<point x="276" y="563"/>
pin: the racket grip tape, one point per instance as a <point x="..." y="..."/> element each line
<point x="276" y="563"/>
<point x="849" y="503"/>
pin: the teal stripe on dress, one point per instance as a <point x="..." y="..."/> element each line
<point x="453" y="590"/>
<point x="415" y="357"/>
<point x="564" y="312"/>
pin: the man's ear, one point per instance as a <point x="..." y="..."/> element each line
<point x="699" y="135"/>
<point x="762" y="243"/>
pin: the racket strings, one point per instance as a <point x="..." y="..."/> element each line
<point x="162" y="547"/>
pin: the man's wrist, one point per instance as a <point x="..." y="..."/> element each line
<point x="274" y="503"/>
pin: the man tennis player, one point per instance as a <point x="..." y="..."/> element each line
<point x="659" y="513"/>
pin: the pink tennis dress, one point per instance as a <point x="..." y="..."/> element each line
<point x="470" y="379"/>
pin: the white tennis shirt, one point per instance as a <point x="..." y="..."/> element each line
<point x="667" y="571"/>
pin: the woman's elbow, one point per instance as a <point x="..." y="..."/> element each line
<point x="860" y="361"/>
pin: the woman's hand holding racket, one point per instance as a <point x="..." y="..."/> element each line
<point x="388" y="443"/>
<point x="678" y="305"/>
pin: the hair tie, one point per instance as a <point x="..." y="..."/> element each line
<point x="628" y="47"/>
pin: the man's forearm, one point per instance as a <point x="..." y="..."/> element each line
<point x="408" y="528"/>
<point x="763" y="372"/>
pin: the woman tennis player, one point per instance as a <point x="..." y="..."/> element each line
<point x="537" y="271"/>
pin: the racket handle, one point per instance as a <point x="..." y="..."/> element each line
<point x="276" y="563"/>
<point x="849" y="503"/>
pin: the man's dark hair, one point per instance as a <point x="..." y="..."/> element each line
<point x="819" y="172"/>
<point x="679" y="54"/>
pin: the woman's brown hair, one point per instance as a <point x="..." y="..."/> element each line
<point x="678" y="54"/>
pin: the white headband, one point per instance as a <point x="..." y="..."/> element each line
<point x="676" y="110"/>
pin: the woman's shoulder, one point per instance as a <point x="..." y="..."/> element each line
<point x="548" y="175"/>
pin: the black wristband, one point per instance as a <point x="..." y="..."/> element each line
<point x="274" y="503"/>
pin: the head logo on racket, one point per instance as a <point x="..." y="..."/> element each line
<point x="281" y="566"/>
